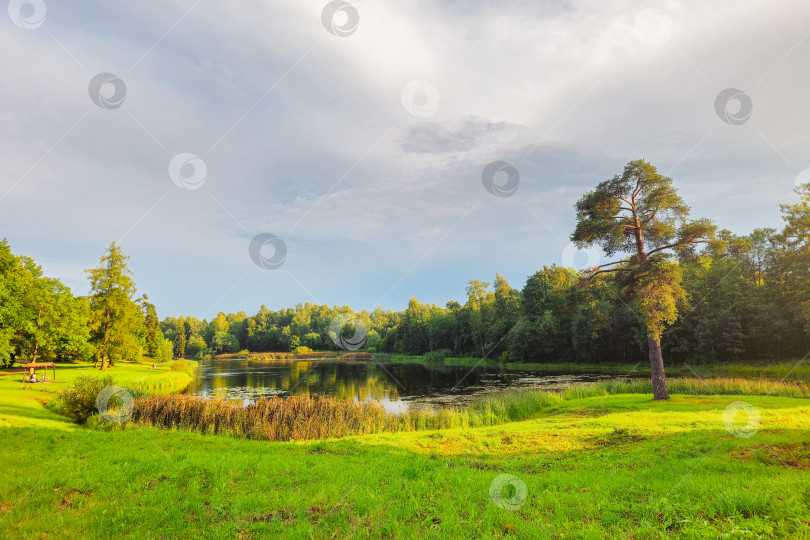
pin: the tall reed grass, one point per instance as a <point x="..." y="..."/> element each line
<point x="693" y="387"/>
<point x="304" y="417"/>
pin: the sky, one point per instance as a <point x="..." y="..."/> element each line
<point x="361" y="153"/>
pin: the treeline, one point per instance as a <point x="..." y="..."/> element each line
<point x="41" y="319"/>
<point x="748" y="299"/>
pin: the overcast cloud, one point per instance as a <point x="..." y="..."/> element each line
<point x="364" y="153"/>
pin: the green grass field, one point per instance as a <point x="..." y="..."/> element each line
<point x="21" y="404"/>
<point x="605" y="466"/>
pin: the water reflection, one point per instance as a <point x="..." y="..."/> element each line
<point x="396" y="386"/>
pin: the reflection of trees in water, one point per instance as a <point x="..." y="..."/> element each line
<point x="240" y="379"/>
<point x="345" y="381"/>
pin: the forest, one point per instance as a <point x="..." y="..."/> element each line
<point x="747" y="299"/>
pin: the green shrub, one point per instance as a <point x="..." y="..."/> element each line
<point x="302" y="350"/>
<point x="437" y="357"/>
<point x="79" y="400"/>
<point x="180" y="365"/>
<point x="244" y="352"/>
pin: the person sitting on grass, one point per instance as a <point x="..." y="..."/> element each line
<point x="33" y="378"/>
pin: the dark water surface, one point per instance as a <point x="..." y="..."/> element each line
<point x="396" y="386"/>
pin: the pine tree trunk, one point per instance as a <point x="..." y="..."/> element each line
<point x="659" y="378"/>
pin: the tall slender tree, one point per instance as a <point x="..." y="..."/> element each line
<point x="640" y="213"/>
<point x="114" y="315"/>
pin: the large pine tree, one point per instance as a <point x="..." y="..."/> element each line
<point x="640" y="213"/>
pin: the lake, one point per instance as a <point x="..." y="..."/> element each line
<point x="394" y="385"/>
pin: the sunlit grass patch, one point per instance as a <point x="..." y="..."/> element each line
<point x="693" y="386"/>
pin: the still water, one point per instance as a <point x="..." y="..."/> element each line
<point x="395" y="386"/>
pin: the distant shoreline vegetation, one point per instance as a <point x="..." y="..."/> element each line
<point x="790" y="370"/>
<point x="747" y="300"/>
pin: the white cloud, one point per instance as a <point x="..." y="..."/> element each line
<point x="304" y="135"/>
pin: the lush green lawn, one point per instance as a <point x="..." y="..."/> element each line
<point x="618" y="466"/>
<point x="21" y="404"/>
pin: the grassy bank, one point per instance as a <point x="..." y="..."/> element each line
<point x="614" y="466"/>
<point x="597" y="461"/>
<point x="306" y="418"/>
<point x="21" y="404"/>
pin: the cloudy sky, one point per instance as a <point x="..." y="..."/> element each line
<point x="358" y="134"/>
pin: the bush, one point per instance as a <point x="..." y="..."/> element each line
<point x="244" y="352"/>
<point x="79" y="400"/>
<point x="302" y="350"/>
<point x="180" y="365"/>
<point x="437" y="357"/>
